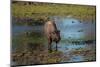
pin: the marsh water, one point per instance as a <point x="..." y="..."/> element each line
<point x="71" y="29"/>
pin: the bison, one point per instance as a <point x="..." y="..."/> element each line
<point x="52" y="33"/>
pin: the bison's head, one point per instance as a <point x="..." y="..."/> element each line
<point x="56" y="36"/>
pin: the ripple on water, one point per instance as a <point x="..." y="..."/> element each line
<point x="76" y="58"/>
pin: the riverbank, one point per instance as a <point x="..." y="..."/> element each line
<point x="43" y="10"/>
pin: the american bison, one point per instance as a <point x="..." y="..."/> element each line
<point x="52" y="33"/>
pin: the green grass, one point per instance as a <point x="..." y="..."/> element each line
<point x="41" y="10"/>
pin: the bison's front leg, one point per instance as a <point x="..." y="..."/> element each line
<point x="49" y="44"/>
<point x="56" y="47"/>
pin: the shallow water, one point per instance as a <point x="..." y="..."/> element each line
<point x="76" y="58"/>
<point x="75" y="29"/>
<point x="19" y="29"/>
<point x="71" y="29"/>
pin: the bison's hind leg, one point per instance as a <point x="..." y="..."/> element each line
<point x="49" y="45"/>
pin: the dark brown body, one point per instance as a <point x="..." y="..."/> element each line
<point x="52" y="33"/>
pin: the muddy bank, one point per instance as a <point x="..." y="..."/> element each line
<point x="36" y="56"/>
